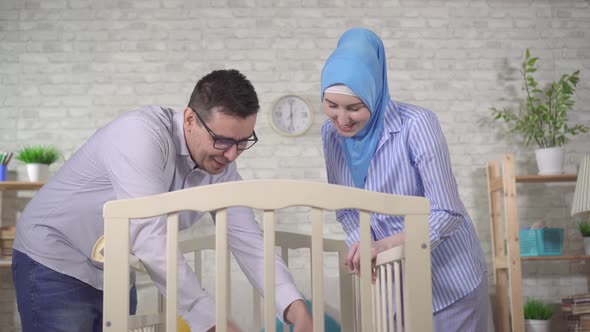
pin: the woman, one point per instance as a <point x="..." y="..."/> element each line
<point x="375" y="143"/>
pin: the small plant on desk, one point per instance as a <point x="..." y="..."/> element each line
<point x="38" y="154"/>
<point x="38" y="158"/>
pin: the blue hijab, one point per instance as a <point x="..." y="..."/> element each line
<point x="359" y="63"/>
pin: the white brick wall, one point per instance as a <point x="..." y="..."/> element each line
<point x="69" y="66"/>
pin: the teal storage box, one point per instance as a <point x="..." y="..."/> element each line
<point x="541" y="242"/>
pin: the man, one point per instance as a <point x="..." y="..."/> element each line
<point x="149" y="151"/>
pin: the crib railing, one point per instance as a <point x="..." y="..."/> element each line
<point x="413" y="296"/>
<point x="286" y="241"/>
<point x="154" y="322"/>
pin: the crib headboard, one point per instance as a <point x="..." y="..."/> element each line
<point x="268" y="196"/>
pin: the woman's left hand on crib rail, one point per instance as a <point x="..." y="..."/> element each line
<point x="353" y="259"/>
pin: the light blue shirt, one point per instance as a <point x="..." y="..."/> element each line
<point x="412" y="159"/>
<point x="140" y="153"/>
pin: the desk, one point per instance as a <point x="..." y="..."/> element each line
<point x="20" y="185"/>
<point x="16" y="186"/>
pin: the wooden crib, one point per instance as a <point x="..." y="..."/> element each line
<point x="365" y="307"/>
<point x="285" y="241"/>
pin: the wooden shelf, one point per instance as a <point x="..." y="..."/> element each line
<point x="17" y="185"/>
<point x="555" y="258"/>
<point x="546" y="178"/>
<point x="504" y="230"/>
<point x="20" y="185"/>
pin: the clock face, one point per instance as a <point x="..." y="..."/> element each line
<point x="291" y="115"/>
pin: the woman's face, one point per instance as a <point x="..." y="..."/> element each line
<point x="348" y="113"/>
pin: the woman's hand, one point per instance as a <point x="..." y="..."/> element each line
<point x="353" y="259"/>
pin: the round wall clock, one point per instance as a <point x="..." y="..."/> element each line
<point x="291" y="115"/>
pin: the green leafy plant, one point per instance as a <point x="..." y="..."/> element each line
<point x="535" y="309"/>
<point x="584" y="228"/>
<point x="38" y="154"/>
<point x="543" y="120"/>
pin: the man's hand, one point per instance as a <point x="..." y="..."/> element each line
<point x="353" y="259"/>
<point x="230" y="328"/>
<point x="297" y="314"/>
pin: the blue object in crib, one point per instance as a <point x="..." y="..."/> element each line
<point x="330" y="324"/>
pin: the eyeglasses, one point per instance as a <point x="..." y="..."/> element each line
<point x="224" y="143"/>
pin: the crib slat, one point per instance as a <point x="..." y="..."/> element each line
<point x="376" y="308"/>
<point x="171" y="271"/>
<point x="116" y="275"/>
<point x="398" y="296"/>
<point x="161" y="306"/>
<point x="269" y="271"/>
<point x="357" y="311"/>
<point x="256" y="304"/>
<point x="221" y="270"/>
<point x="228" y="284"/>
<point x="365" y="240"/>
<point x="317" y="270"/>
<point x="285" y="256"/>
<point x="347" y="294"/>
<point x="389" y="282"/>
<point x="384" y="286"/>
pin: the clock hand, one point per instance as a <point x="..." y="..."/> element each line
<point x="291" y="115"/>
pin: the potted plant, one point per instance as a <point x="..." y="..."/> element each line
<point x="543" y="119"/>
<point x="584" y="228"/>
<point x="38" y="158"/>
<point x="537" y="315"/>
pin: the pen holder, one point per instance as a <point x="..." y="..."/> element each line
<point x="3" y="172"/>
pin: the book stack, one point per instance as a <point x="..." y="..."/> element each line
<point x="576" y="311"/>
<point x="6" y="239"/>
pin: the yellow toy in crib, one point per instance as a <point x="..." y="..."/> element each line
<point x="183" y="326"/>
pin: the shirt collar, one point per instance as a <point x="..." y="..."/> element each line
<point x="393" y="121"/>
<point x="179" y="139"/>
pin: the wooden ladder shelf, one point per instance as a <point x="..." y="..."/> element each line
<point x="505" y="240"/>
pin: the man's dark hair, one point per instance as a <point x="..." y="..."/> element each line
<point x="228" y="89"/>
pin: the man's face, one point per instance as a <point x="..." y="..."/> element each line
<point x="200" y="142"/>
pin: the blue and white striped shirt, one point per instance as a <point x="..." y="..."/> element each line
<point x="412" y="158"/>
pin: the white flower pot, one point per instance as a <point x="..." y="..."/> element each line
<point x="38" y="172"/>
<point x="535" y="325"/>
<point x="550" y="160"/>
<point x="587" y="245"/>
